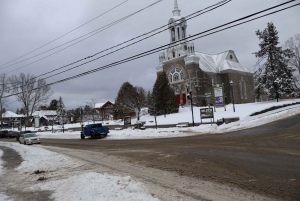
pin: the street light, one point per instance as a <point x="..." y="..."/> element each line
<point x="190" y="96"/>
<point x="231" y="86"/>
<point x="63" y="115"/>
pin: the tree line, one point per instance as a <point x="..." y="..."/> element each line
<point x="160" y="101"/>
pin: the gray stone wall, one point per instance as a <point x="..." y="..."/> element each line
<point x="243" y="83"/>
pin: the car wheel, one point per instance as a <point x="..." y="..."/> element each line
<point x="82" y="136"/>
<point x="92" y="136"/>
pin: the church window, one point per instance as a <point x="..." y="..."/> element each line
<point x="183" y="32"/>
<point x="175" y="75"/>
<point x="243" y="89"/>
<point x="245" y="92"/>
<point x="173" y="54"/>
<point x="170" y="78"/>
<point x="178" y="32"/>
<point x="185" y="47"/>
<point x="173" y="34"/>
<point x="231" y="57"/>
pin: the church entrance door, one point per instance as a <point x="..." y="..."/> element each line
<point x="178" y="99"/>
<point x="184" y="99"/>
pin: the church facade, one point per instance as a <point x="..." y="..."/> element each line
<point x="196" y="72"/>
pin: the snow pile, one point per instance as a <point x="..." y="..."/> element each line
<point x="36" y="158"/>
<point x="94" y="186"/>
<point x="4" y="198"/>
<point x="75" y="186"/>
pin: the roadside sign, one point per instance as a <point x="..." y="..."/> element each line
<point x="206" y="113"/>
<point x="219" y="96"/>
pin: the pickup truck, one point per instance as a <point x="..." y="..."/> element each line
<point x="94" y="131"/>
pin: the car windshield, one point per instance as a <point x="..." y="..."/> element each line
<point x="30" y="135"/>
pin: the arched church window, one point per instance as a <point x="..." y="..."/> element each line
<point x="183" y="32"/>
<point x="243" y="89"/>
<point x="173" y="54"/>
<point x="178" y="32"/>
<point x="173" y="34"/>
<point x="170" y="78"/>
<point x="175" y="75"/>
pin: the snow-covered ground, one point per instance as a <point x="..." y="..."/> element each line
<point x="92" y="185"/>
<point x="111" y="187"/>
<point x="243" y="111"/>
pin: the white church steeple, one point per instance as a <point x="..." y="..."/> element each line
<point x="176" y="11"/>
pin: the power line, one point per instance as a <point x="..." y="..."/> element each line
<point x="164" y="47"/>
<point x="90" y="34"/>
<point x="193" y="15"/>
<point x="66" y="33"/>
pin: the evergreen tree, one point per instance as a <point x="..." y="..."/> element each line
<point x="60" y="111"/>
<point x="18" y="111"/>
<point x="163" y="96"/>
<point x="22" y="111"/>
<point x="274" y="77"/>
<point x="53" y="105"/>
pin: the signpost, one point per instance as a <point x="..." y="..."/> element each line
<point x="127" y="121"/>
<point x="207" y="113"/>
<point x="219" y="97"/>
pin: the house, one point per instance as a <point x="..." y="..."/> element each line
<point x="46" y="117"/>
<point x="106" y="110"/>
<point x="12" y="119"/>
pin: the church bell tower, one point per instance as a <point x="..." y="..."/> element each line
<point x="177" y="28"/>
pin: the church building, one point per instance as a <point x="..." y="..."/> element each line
<point x="189" y="70"/>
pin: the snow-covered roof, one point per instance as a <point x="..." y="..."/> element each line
<point x="220" y="62"/>
<point x="9" y="114"/>
<point x="44" y="113"/>
<point x="99" y="105"/>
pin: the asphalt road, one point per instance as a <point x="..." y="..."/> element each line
<point x="264" y="160"/>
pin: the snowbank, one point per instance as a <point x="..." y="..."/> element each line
<point x="87" y="186"/>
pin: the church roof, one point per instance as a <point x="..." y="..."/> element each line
<point x="217" y="63"/>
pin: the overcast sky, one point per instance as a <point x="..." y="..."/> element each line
<point x="29" y="24"/>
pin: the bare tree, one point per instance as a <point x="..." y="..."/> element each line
<point x="30" y="92"/>
<point x="3" y="90"/>
<point x="92" y="104"/>
<point x="293" y="44"/>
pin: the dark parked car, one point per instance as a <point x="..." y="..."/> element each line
<point x="20" y="133"/>
<point x="3" y="133"/>
<point x="12" y="134"/>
